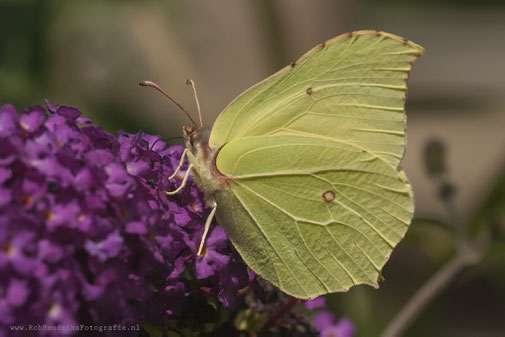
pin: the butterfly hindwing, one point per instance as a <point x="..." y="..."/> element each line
<point x="312" y="216"/>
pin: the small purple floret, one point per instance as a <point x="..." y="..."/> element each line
<point x="318" y="302"/>
<point x="324" y="321"/>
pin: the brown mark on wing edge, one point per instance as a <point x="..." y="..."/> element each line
<point x="225" y="180"/>
<point x="309" y="91"/>
<point x="328" y="196"/>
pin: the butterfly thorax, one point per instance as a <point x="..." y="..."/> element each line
<point x="203" y="158"/>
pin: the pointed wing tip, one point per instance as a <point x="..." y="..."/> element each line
<point x="419" y="51"/>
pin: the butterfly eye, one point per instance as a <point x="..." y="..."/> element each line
<point x="188" y="129"/>
<point x="191" y="132"/>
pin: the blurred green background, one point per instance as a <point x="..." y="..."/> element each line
<point x="91" y="54"/>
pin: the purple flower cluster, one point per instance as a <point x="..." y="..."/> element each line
<point x="324" y="321"/>
<point x="87" y="234"/>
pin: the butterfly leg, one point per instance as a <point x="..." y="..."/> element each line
<point x="207" y="226"/>
<point x="184" y="180"/>
<point x="181" y="161"/>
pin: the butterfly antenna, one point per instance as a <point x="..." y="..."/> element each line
<point x="192" y="84"/>
<point x="157" y="87"/>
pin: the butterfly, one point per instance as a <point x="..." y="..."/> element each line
<point x="302" y="169"/>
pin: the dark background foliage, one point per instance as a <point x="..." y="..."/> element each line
<point x="91" y="54"/>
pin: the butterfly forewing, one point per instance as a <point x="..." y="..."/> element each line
<point x="351" y="88"/>
<point x="323" y="214"/>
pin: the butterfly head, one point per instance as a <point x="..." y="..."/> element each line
<point x="191" y="133"/>
<point x="196" y="138"/>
